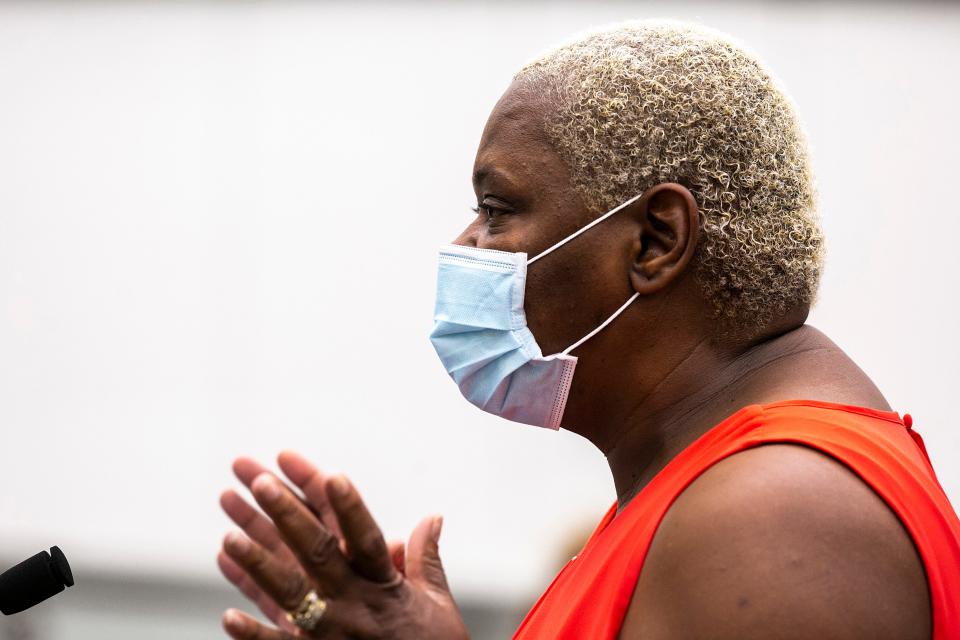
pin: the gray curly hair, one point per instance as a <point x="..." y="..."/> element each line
<point x="653" y="101"/>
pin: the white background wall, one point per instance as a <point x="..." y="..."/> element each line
<point x="218" y="226"/>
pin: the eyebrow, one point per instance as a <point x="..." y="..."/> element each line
<point x="486" y="172"/>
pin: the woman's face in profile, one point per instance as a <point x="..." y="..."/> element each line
<point x="525" y="203"/>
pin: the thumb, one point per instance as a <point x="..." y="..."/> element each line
<point x="423" y="555"/>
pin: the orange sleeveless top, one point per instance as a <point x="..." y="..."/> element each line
<point x="590" y="595"/>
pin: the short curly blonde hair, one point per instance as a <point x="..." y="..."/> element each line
<point x="654" y="101"/>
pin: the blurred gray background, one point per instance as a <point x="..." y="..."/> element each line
<point x="218" y="233"/>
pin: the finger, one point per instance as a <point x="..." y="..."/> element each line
<point x="316" y="547"/>
<point x="423" y="555"/>
<point x="284" y="585"/>
<point x="311" y="481"/>
<point x="365" y="544"/>
<point x="247" y="470"/>
<point x="255" y="524"/>
<point x="397" y="550"/>
<point x="240" y="626"/>
<point x="239" y="578"/>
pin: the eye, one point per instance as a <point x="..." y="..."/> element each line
<point x="489" y="211"/>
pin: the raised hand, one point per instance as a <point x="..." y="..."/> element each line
<point x="259" y="528"/>
<point x="327" y="543"/>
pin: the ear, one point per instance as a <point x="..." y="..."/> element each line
<point x="669" y="228"/>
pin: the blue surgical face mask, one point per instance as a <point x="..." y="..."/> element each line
<point x="480" y="333"/>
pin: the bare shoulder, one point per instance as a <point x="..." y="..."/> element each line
<point x="780" y="541"/>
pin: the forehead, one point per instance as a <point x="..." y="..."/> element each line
<point x="514" y="143"/>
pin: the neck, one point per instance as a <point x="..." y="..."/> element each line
<point x="700" y="388"/>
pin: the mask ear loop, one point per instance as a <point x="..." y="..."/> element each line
<point x="586" y="228"/>
<point x="602" y="326"/>
<point x="571" y="237"/>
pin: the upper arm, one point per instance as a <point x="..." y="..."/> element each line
<point x="780" y="541"/>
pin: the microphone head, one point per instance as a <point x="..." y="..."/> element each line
<point x="61" y="567"/>
<point x="34" y="580"/>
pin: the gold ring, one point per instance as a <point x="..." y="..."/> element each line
<point x="308" y="614"/>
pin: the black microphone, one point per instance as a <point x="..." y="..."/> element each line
<point x="34" y="580"/>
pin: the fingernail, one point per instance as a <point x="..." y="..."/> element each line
<point x="268" y="487"/>
<point x="437" y="527"/>
<point x="238" y="542"/>
<point x="339" y="486"/>
<point x="234" y="620"/>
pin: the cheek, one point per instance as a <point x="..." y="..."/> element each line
<point x="568" y="298"/>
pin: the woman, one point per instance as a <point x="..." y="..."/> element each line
<point x="645" y="214"/>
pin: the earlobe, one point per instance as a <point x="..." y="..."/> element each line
<point x="669" y="231"/>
